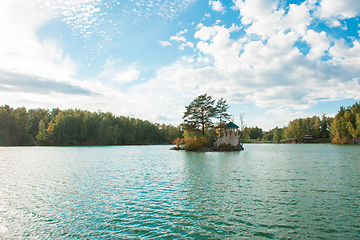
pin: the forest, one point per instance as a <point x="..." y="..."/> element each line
<point x="78" y="127"/>
<point x="344" y="128"/>
<point x="316" y="127"/>
<point x="19" y="127"/>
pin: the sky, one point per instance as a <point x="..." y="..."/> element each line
<point x="272" y="60"/>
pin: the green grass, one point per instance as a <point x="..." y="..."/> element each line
<point x="256" y="141"/>
<point x="320" y="140"/>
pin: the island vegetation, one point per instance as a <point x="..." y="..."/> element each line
<point x="200" y="127"/>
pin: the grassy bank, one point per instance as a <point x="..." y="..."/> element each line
<point x="320" y="140"/>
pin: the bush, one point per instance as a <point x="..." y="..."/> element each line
<point x="204" y="141"/>
<point x="178" y="142"/>
<point x="345" y="140"/>
<point x="336" y="140"/>
<point x="194" y="143"/>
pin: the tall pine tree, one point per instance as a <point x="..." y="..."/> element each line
<point x="199" y="113"/>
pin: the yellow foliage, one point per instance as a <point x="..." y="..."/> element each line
<point x="336" y="140"/>
<point x="203" y="141"/>
<point x="194" y="143"/>
<point x="345" y="140"/>
<point x="178" y="142"/>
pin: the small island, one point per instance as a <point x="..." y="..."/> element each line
<point x="200" y="133"/>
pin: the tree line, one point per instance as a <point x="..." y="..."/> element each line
<point x="78" y="127"/>
<point x="296" y="129"/>
<point x="346" y="124"/>
<point x="341" y="129"/>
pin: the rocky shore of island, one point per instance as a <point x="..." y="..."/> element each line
<point x="221" y="148"/>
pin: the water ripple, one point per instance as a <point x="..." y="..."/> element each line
<point x="148" y="192"/>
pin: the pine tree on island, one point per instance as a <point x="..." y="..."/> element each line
<point x="199" y="113"/>
<point x="198" y="120"/>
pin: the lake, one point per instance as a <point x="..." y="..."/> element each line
<point x="268" y="191"/>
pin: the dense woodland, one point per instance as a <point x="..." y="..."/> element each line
<point x="78" y="127"/>
<point x="342" y="129"/>
<point x="312" y="126"/>
<point x="346" y="125"/>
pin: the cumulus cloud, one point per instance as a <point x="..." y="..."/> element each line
<point x="263" y="65"/>
<point x="272" y="72"/>
<point x="341" y="9"/>
<point x="265" y="18"/>
<point x="178" y="36"/>
<point x="164" y="43"/>
<point x="319" y="43"/>
<point x="216" y="5"/>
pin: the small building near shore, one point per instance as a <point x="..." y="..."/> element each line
<point x="231" y="135"/>
<point x="308" y="137"/>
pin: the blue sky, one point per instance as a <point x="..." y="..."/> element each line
<point x="273" y="61"/>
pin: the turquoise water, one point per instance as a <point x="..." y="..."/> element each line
<point x="308" y="191"/>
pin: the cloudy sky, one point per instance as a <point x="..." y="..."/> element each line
<point x="272" y="60"/>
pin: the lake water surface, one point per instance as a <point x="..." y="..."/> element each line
<point x="308" y="191"/>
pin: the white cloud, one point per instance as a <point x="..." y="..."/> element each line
<point x="200" y="25"/>
<point x="128" y="75"/>
<point x="278" y="116"/>
<point x="319" y="43"/>
<point x="216" y="5"/>
<point x="178" y="36"/>
<point x="341" y="9"/>
<point x="345" y="56"/>
<point x="221" y="47"/>
<point x="186" y="44"/>
<point x="266" y="70"/>
<point x="265" y="18"/>
<point x="273" y="72"/>
<point x="23" y="52"/>
<point x="297" y="19"/>
<point x="164" y="43"/>
<point x="261" y="14"/>
<point x="114" y="71"/>
<point x="335" y="23"/>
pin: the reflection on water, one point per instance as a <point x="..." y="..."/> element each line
<point x="266" y="191"/>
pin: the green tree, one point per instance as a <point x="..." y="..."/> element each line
<point x="7" y="126"/>
<point x="278" y="134"/>
<point x="221" y="110"/>
<point x="34" y="118"/>
<point x="256" y="133"/>
<point x="346" y="124"/>
<point x="246" y="133"/>
<point x="268" y="136"/>
<point x="221" y="113"/>
<point x="325" y="126"/>
<point x="41" y="136"/>
<point x="199" y="113"/>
